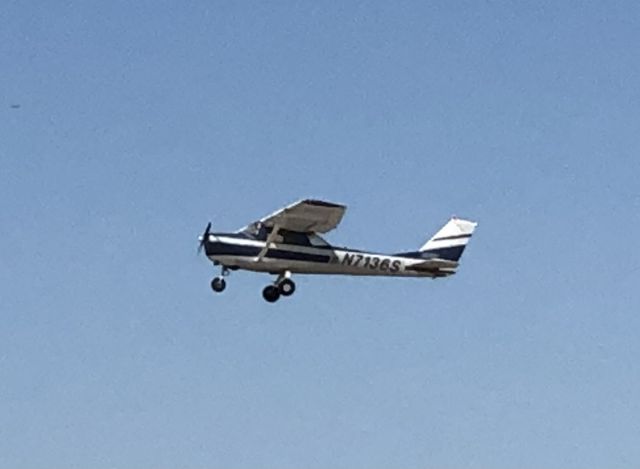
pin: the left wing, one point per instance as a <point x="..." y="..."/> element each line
<point x="305" y="216"/>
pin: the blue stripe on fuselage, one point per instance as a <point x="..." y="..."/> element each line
<point x="297" y="256"/>
<point x="217" y="248"/>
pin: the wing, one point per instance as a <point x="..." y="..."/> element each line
<point x="305" y="216"/>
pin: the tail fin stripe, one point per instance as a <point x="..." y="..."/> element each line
<point x="450" y="253"/>
<point x="443" y="238"/>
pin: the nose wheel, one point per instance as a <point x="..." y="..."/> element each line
<point x="218" y="284"/>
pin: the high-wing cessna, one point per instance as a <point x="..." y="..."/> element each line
<point x="287" y="242"/>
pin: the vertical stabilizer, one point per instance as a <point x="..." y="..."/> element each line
<point x="449" y="242"/>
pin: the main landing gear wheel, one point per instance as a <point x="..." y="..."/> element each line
<point x="218" y="284"/>
<point x="271" y="293"/>
<point x="286" y="287"/>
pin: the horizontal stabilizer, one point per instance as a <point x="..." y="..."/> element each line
<point x="438" y="267"/>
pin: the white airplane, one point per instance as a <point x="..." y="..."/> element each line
<point x="287" y="242"/>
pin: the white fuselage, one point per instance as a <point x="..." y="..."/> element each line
<point x="250" y="254"/>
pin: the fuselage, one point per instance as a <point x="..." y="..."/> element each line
<point x="304" y="254"/>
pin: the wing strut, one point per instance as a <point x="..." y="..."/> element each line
<point x="267" y="243"/>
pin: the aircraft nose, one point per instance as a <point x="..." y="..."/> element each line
<point x="211" y="245"/>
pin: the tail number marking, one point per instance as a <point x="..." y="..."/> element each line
<point x="371" y="262"/>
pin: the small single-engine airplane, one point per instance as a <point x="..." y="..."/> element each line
<point x="287" y="242"/>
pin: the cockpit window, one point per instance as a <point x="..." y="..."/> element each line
<point x="257" y="231"/>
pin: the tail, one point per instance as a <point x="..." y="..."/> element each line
<point x="449" y="242"/>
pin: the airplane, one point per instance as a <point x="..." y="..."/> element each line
<point x="287" y="242"/>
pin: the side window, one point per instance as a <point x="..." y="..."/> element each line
<point x="292" y="237"/>
<point x="316" y="240"/>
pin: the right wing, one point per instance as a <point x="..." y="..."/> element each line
<point x="304" y="216"/>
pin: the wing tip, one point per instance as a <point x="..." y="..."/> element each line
<point x="323" y="203"/>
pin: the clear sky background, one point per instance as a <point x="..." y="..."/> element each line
<point x="141" y="121"/>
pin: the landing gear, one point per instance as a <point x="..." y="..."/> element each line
<point x="218" y="284"/>
<point x="271" y="293"/>
<point x="286" y="287"/>
<point x="283" y="286"/>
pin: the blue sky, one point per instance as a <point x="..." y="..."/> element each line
<point x="139" y="123"/>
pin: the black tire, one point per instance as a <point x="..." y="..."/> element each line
<point x="218" y="284"/>
<point x="271" y="293"/>
<point x="287" y="287"/>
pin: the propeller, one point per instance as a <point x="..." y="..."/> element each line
<point x="203" y="237"/>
